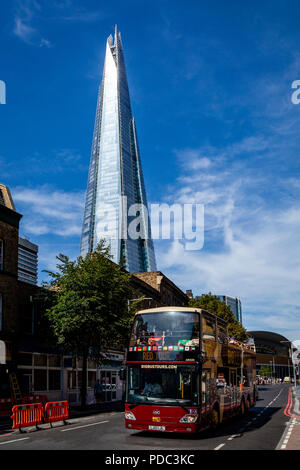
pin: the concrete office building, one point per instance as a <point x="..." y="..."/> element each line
<point x="27" y="261"/>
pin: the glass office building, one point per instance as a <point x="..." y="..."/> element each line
<point x="234" y="304"/>
<point x="116" y="197"/>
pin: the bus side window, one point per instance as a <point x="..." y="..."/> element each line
<point x="208" y="328"/>
<point x="222" y="334"/>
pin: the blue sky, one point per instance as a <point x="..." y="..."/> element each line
<point x="210" y="86"/>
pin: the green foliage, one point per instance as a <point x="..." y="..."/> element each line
<point x="88" y="306"/>
<point x="265" y="370"/>
<point x="89" y="302"/>
<point x="214" y="305"/>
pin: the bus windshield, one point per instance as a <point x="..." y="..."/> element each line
<point x="166" y="329"/>
<point x="162" y="384"/>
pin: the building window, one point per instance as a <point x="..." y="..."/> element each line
<point x="1" y="255"/>
<point x="40" y="380"/>
<point x="39" y="372"/>
<point x="54" y="361"/>
<point x="27" y="319"/>
<point x="54" y="379"/>
<point x="25" y="359"/>
<point x="40" y="360"/>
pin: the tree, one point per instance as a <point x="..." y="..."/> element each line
<point x="89" y="306"/>
<point x="214" y="305"/>
<point x="265" y="371"/>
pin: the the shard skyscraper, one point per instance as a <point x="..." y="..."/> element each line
<point x="115" y="183"/>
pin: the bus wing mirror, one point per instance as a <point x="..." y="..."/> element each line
<point x="122" y="374"/>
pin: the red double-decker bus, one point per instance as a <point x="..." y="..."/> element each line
<point x="183" y="372"/>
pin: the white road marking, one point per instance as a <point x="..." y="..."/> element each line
<point x="14" y="440"/>
<point x="83" y="426"/>
<point x="219" y="447"/>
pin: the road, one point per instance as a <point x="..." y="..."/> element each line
<point x="260" y="429"/>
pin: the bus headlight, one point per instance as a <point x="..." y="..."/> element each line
<point x="129" y="415"/>
<point x="189" y="419"/>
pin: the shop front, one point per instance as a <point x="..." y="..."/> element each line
<point x="107" y="374"/>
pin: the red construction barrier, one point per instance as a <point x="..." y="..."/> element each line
<point x="27" y="415"/>
<point x="34" y="399"/>
<point x="6" y="405"/>
<point x="56" y="411"/>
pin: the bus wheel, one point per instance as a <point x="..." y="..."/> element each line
<point x="242" y="408"/>
<point x="215" y="418"/>
<point x="248" y="404"/>
<point x="254" y="396"/>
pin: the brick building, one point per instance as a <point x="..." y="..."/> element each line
<point x="166" y="292"/>
<point x="16" y="297"/>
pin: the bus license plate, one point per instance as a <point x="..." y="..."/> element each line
<point x="157" y="428"/>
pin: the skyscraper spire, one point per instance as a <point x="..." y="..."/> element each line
<point x="115" y="180"/>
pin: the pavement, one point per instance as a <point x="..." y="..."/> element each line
<point x="75" y="413"/>
<point x="291" y="437"/>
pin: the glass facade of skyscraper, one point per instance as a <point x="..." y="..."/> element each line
<point x="234" y="304"/>
<point x="115" y="181"/>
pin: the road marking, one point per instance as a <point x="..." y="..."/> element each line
<point x="219" y="447"/>
<point x="84" y="426"/>
<point x="15" y="440"/>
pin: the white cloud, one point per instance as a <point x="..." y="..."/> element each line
<point x="23" y="30"/>
<point x="252" y="228"/>
<point x="82" y="16"/>
<point x="192" y="159"/>
<point x="47" y="211"/>
<point x="25" y="14"/>
<point x="45" y="43"/>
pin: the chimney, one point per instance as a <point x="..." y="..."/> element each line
<point x="189" y="293"/>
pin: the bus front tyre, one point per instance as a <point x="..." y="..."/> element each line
<point x="215" y="418"/>
<point x="248" y="404"/>
<point x="243" y="408"/>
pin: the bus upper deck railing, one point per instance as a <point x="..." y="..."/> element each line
<point x="248" y="347"/>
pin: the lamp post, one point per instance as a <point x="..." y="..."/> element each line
<point x="271" y="367"/>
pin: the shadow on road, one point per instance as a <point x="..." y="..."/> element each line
<point x="227" y="428"/>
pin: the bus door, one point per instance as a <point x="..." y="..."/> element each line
<point x="205" y="392"/>
<point x="233" y="387"/>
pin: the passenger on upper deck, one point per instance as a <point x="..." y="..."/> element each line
<point x="143" y="339"/>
